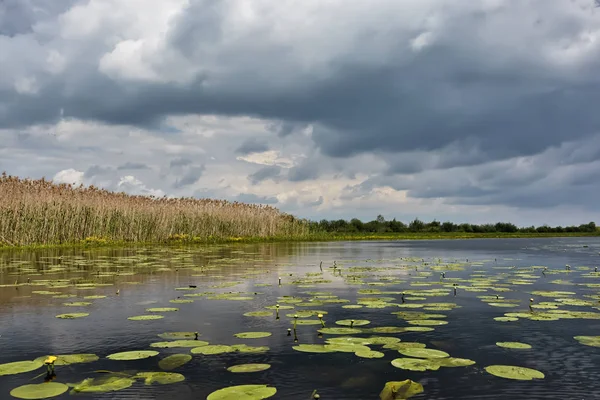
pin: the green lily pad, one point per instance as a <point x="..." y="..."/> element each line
<point x="162" y="378"/>
<point x="181" y="301"/>
<point x="405" y="345"/>
<point x="513" y="345"/>
<point x="454" y="362"/>
<point x="400" y="390"/>
<point x="506" y="319"/>
<point x="179" y="343"/>
<point x="350" y="322"/>
<point x="369" y="354"/>
<point x="18" y="367"/>
<point x="178" y="335"/>
<point x="593" y="341"/>
<point x="243" y="348"/>
<point x="162" y="309"/>
<point x="340" y="331"/>
<point x="145" y="317"/>
<point x="132" y="355"/>
<point x="427" y="322"/>
<point x="94" y="297"/>
<point x="382" y="340"/>
<point x="307" y="322"/>
<point x="242" y="368"/>
<point x="174" y="361"/>
<point x="418" y="329"/>
<point x="423" y="353"/>
<point x="68" y="359"/>
<point x="347" y="347"/>
<point x="102" y="385"/>
<point x="259" y="314"/>
<point x="39" y="390"/>
<point x="212" y="349"/>
<point x="252" y="335"/>
<point x="517" y="373"/>
<point x="313" y="348"/>
<point x="77" y="304"/>
<point x="243" y="392"/>
<point x="72" y="315"/>
<point x="416" y="364"/>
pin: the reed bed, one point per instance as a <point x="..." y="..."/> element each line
<point x="40" y="212"/>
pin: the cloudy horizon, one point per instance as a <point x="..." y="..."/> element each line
<point x="479" y="111"/>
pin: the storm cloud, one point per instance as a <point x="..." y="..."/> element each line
<point x="445" y="109"/>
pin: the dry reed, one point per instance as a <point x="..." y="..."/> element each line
<point x="38" y="212"/>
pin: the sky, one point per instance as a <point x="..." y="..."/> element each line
<point x="469" y="111"/>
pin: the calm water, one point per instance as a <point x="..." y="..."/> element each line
<point x="149" y="278"/>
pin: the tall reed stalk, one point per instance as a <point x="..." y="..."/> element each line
<point x="42" y="212"/>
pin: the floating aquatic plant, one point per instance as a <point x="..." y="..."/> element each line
<point x="179" y="335"/>
<point x="512" y="372"/>
<point x="513" y="345"/>
<point x="400" y="390"/>
<point x="423" y="353"/>
<point x="252" y="335"/>
<point x="162" y="378"/>
<point x="18" y="367"/>
<point x="174" y="361"/>
<point x="145" y="317"/>
<point x="132" y="355"/>
<point x="72" y="315"/>
<point x="243" y="392"/>
<point x="39" y="391"/>
<point x="179" y="343"/>
<point x="102" y="385"/>
<point x="68" y="359"/>
<point x="243" y="368"/>
<point x="162" y="309"/>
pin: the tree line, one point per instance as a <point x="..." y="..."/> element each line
<point x="380" y="225"/>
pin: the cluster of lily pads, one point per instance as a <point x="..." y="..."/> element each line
<point x="402" y="287"/>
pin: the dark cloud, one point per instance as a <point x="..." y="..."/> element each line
<point x="97" y="170"/>
<point x="191" y="176"/>
<point x="252" y="145"/>
<point x="180" y="162"/>
<point x="305" y="171"/>
<point x="285" y="128"/>
<point x="264" y="173"/>
<point x="132" y="166"/>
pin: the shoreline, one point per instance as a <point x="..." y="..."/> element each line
<point x="317" y="237"/>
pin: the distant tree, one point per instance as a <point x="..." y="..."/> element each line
<point x="416" y="225"/>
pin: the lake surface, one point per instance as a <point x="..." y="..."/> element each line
<point x="35" y="286"/>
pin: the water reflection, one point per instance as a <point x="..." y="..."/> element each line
<point x="35" y="286"/>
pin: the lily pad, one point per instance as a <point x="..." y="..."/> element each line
<point x="340" y="331"/>
<point x="103" y="385"/>
<point x="427" y="322"/>
<point x="454" y="362"/>
<point x="517" y="373"/>
<point x="350" y="322"/>
<point x="18" y="367"/>
<point x="593" y="341"/>
<point x="423" y="353"/>
<point x="252" y="335"/>
<point x="77" y="304"/>
<point x="513" y="345"/>
<point x="400" y="390"/>
<point x="162" y="309"/>
<point x="174" y="361"/>
<point x="68" y="359"/>
<point x="179" y="343"/>
<point x="145" y="317"/>
<point x="243" y="392"/>
<point x="212" y="349"/>
<point x="313" y="348"/>
<point x="132" y="355"/>
<point x="162" y="378"/>
<point x="242" y="368"/>
<point x="72" y="315"/>
<point x="179" y="335"/>
<point x="369" y="354"/>
<point x="39" y="391"/>
<point x="506" y="319"/>
<point x="259" y="314"/>
<point x="416" y="364"/>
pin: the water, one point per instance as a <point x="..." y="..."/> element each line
<point x="29" y="329"/>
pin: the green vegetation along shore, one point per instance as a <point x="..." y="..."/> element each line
<point x="39" y="213"/>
